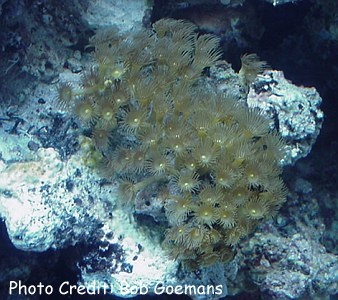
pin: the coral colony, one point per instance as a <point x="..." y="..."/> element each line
<point x="151" y="119"/>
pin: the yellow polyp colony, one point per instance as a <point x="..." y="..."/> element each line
<point x="153" y="118"/>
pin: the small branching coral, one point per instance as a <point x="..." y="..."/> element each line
<point x="153" y="117"/>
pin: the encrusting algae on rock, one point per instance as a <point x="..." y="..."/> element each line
<point x="153" y="118"/>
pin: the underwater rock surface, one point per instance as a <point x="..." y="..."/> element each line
<point x="295" y="111"/>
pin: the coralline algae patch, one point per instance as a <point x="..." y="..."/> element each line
<point x="21" y="199"/>
<point x="39" y="202"/>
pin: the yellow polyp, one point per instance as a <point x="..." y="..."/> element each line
<point x="247" y="134"/>
<point x="117" y="74"/>
<point x="92" y="159"/>
<point x="237" y="162"/>
<point x="108" y="82"/>
<point x="108" y="115"/>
